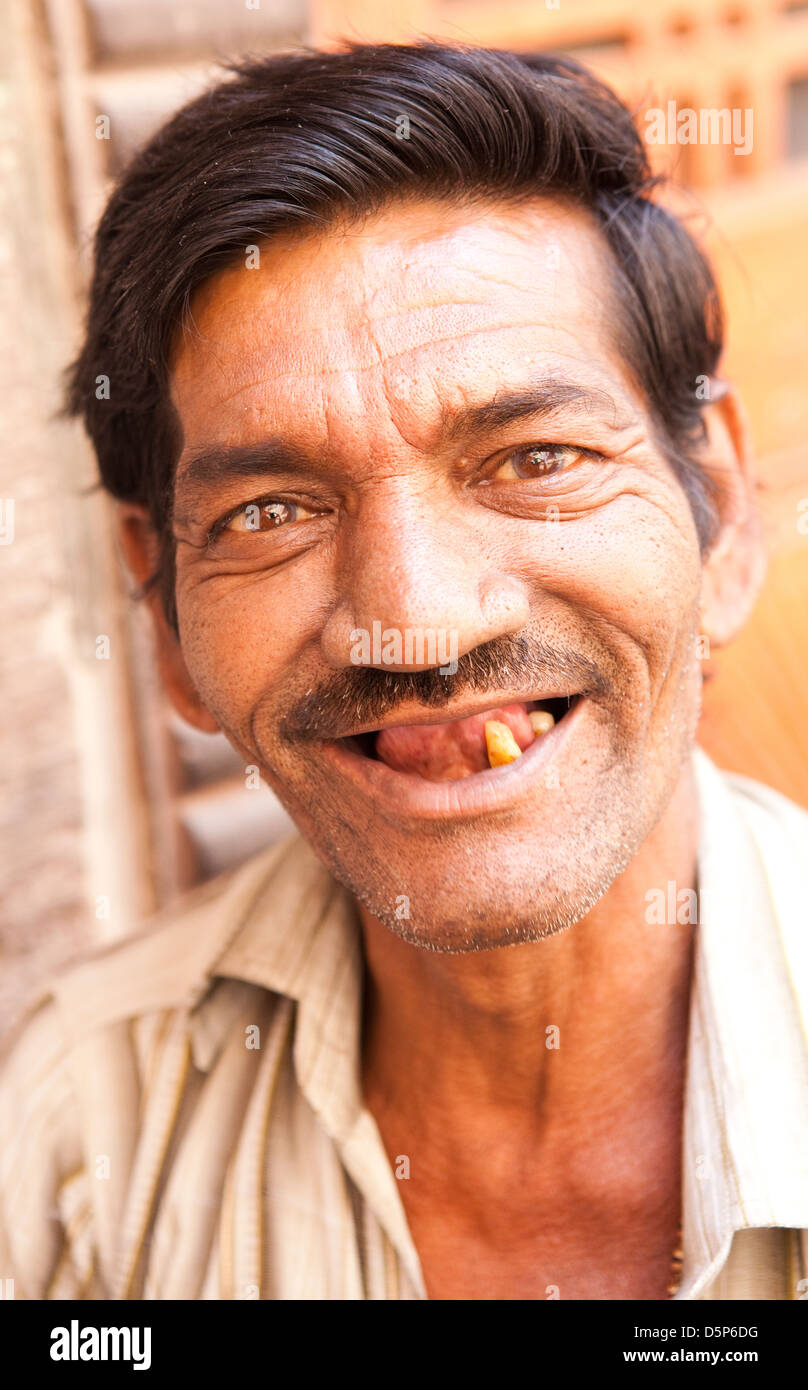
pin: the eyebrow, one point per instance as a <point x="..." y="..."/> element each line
<point x="274" y="456"/>
<point x="508" y="406"/>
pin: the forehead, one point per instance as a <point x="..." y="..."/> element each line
<point x="421" y="308"/>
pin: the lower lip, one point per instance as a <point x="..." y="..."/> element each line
<point x="409" y="795"/>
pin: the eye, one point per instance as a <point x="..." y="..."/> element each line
<point x="538" y="461"/>
<point x="264" y="515"/>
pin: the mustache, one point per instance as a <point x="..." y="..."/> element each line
<point x="365" y="694"/>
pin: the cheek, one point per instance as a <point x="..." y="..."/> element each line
<point x="631" y="574"/>
<point x="239" y="644"/>
<point x="652" y="595"/>
<point x="647" y="580"/>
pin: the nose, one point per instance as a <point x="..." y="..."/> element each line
<point x="412" y="563"/>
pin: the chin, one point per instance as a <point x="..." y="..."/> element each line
<point x="461" y="904"/>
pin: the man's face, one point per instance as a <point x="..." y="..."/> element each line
<point x="335" y="395"/>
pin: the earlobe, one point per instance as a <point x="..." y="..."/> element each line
<point x="735" y="566"/>
<point x="140" y="546"/>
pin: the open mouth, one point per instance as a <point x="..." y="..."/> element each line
<point x="456" y="749"/>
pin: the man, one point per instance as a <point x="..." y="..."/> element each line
<point x="401" y="351"/>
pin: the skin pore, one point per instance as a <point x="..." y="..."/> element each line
<point x="339" y="380"/>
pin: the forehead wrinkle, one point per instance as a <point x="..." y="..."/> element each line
<point x="355" y="369"/>
<point x="361" y="329"/>
<point x="301" y="341"/>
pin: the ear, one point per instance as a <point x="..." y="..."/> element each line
<point x="141" y="550"/>
<point x="735" y="567"/>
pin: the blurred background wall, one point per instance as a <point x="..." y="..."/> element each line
<point x="109" y="805"/>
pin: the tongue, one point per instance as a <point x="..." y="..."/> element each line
<point x="447" y="752"/>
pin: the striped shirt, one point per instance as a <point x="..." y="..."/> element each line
<point x="181" y="1115"/>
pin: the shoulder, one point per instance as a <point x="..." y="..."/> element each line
<point x="754" y="822"/>
<point x="777" y="823"/>
<point x="779" y="828"/>
<point x="164" y="968"/>
<point x="167" y="967"/>
<point x="37" y="1097"/>
<point x="169" y="962"/>
<point x="32" y="1051"/>
<point x="105" y="1042"/>
<point x="41" y="1157"/>
<point x="766" y="809"/>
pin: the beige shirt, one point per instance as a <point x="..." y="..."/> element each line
<point x="181" y="1118"/>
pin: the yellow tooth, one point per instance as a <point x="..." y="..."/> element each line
<point x="501" y="744"/>
<point x="541" y="721"/>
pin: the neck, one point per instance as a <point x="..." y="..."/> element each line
<point x="550" y="1037"/>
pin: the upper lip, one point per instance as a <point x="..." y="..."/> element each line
<point x="460" y="711"/>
